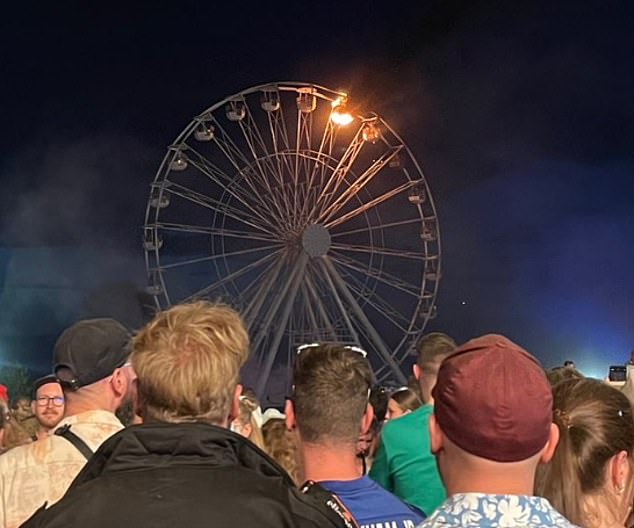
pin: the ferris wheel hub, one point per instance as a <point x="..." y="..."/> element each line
<point x="316" y="240"/>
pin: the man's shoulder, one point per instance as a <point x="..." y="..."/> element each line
<point x="481" y="509"/>
<point x="413" y="420"/>
<point x="27" y="455"/>
<point x="370" y="503"/>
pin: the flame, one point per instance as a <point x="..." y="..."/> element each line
<point x="338" y="101"/>
<point x="340" y="116"/>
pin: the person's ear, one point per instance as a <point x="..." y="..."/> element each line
<point x="368" y="417"/>
<point x="234" y="411"/>
<point x="247" y="429"/>
<point x="619" y="467"/>
<point x="119" y="382"/>
<point x="416" y="371"/>
<point x="289" y="412"/>
<point x="436" y="435"/>
<point x="551" y="445"/>
<point x="33" y="406"/>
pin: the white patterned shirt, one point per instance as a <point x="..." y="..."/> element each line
<point x="496" y="511"/>
<point x="40" y="472"/>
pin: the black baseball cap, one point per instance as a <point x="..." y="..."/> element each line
<point x="44" y="380"/>
<point x="89" y="351"/>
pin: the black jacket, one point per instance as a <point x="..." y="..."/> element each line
<point x="182" y="475"/>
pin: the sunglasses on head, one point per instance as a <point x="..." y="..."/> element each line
<point x="352" y="348"/>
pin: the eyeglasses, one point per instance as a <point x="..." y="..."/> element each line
<point x="43" y="401"/>
<point x="352" y="348"/>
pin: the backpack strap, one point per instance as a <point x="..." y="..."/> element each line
<point x="81" y="446"/>
<point x="335" y="509"/>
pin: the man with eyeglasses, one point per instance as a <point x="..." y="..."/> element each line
<point x="90" y="362"/>
<point x="47" y="405"/>
<point x="330" y="407"/>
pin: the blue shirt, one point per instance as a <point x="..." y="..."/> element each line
<point x="373" y="506"/>
<point x="499" y="511"/>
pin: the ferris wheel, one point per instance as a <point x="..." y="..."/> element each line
<point x="306" y="213"/>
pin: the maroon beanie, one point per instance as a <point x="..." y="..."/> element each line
<point x="492" y="399"/>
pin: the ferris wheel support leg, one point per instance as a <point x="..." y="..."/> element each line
<point x="362" y="318"/>
<point x="341" y="306"/>
<point x="294" y="282"/>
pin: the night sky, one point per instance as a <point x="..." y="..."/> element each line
<point x="521" y="115"/>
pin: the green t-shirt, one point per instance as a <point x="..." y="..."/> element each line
<point x="404" y="463"/>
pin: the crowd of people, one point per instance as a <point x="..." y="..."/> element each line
<point x="154" y="429"/>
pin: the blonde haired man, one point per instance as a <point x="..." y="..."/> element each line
<point x="183" y="466"/>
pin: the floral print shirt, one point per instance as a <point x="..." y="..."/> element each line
<point x="495" y="511"/>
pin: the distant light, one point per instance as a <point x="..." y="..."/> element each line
<point x="235" y="111"/>
<point x="463" y="303"/>
<point x="270" y="100"/>
<point x="204" y="131"/>
<point x="179" y="163"/>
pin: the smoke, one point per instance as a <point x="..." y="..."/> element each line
<point x="72" y="237"/>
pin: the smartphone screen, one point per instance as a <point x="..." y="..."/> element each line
<point x="617" y="373"/>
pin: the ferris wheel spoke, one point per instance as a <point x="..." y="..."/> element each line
<point x="256" y="291"/>
<point x="383" y="276"/>
<point x="240" y="252"/>
<point x="279" y="133"/>
<point x="374" y="337"/>
<point x="338" y="175"/>
<point x="240" y="162"/>
<point x="288" y="297"/>
<point x="213" y="231"/>
<point x="228" y="147"/>
<point x="324" y="150"/>
<point x="259" y="151"/>
<point x="281" y="145"/>
<point x="215" y="205"/>
<point x="359" y="183"/>
<point x="265" y="286"/>
<point x="254" y="202"/>
<point x="372" y="203"/>
<point x="339" y="302"/>
<point x="319" y="165"/>
<point x="302" y="144"/>
<point x="375" y="300"/>
<point x="370" y="228"/>
<point x="388" y="252"/>
<point x="318" y="303"/>
<point x="231" y="277"/>
<point x="311" y="315"/>
<point x="253" y="136"/>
